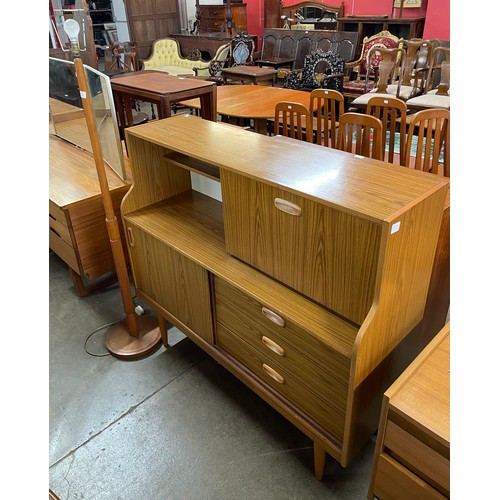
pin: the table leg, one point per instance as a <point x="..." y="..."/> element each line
<point x="208" y="103"/>
<point x="260" y="125"/>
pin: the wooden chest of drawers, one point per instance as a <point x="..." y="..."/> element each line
<point x="77" y="225"/>
<point x="213" y="17"/>
<point x="412" y="457"/>
<point x="300" y="279"/>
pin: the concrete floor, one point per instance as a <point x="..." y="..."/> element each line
<point x="175" y="425"/>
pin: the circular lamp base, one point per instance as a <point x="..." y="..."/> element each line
<point x="124" y="346"/>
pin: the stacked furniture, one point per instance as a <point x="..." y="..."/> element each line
<point x="308" y="281"/>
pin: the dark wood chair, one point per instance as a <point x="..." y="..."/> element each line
<point x="391" y="111"/>
<point x="241" y="50"/>
<point x="325" y="108"/>
<point x="428" y="142"/>
<point x="386" y="66"/>
<point x="360" y="134"/>
<point x="437" y="92"/>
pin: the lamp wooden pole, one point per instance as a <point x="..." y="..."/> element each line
<point x="136" y="336"/>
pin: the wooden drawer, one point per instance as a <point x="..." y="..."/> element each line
<point x="58" y="223"/>
<point x="394" y="481"/>
<point x="292" y="348"/>
<point x="422" y="459"/>
<point x="331" y="418"/>
<point x="328" y="255"/>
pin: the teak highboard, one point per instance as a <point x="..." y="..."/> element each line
<point x="305" y="278"/>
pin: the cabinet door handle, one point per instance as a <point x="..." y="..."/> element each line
<point x="273" y="374"/>
<point x="272" y="316"/>
<point x="270" y="344"/>
<point x="287" y="206"/>
<point x="130" y="236"/>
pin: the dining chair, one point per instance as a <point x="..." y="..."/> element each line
<point x="428" y="142"/>
<point x="292" y="119"/>
<point x="391" y="111"/>
<point x="325" y="108"/>
<point x="437" y="91"/>
<point x="360" y="134"/>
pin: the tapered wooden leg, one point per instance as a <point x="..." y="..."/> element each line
<point x="162" y="323"/>
<point x="319" y="461"/>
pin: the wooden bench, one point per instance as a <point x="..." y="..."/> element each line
<point x="279" y="43"/>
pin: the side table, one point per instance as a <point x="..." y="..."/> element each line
<point x="253" y="74"/>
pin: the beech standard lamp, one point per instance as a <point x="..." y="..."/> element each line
<point x="135" y="336"/>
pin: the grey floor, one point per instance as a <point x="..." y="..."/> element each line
<point x="175" y="425"/>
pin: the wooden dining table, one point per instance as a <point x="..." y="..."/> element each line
<point x="253" y="102"/>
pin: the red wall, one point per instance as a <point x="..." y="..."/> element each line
<point x="436" y="13"/>
<point x="437" y="20"/>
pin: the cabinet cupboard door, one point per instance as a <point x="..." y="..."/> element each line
<point x="171" y="280"/>
<point x="328" y="255"/>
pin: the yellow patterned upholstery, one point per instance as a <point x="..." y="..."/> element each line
<point x="165" y="56"/>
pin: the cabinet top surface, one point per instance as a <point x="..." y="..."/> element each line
<point x="73" y="175"/>
<point x="422" y="394"/>
<point x="367" y="187"/>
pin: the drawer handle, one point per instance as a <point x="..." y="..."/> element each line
<point x="272" y="316"/>
<point x="130" y="236"/>
<point x="273" y="374"/>
<point x="287" y="206"/>
<point x="270" y="344"/>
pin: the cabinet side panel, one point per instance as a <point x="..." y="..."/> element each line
<point x="328" y="255"/>
<point x="154" y="179"/>
<point x="173" y="281"/>
<point x="406" y="267"/>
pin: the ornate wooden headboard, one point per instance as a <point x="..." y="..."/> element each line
<point x="313" y="13"/>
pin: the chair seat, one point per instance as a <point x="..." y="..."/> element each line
<point x="429" y="100"/>
<point x="362" y="100"/>
<point x="356" y="87"/>
<point x="405" y="91"/>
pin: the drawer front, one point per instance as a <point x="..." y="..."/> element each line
<point x="284" y="235"/>
<point x="65" y="251"/>
<point x="420" y="458"/>
<point x="393" y="482"/>
<point x="58" y="223"/>
<point x="266" y="369"/>
<point x="297" y="351"/>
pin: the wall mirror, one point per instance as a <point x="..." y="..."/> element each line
<point x="67" y="115"/>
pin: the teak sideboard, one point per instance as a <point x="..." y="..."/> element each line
<point x="302" y="281"/>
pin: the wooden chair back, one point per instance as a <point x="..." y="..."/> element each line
<point x="387" y="65"/>
<point x="126" y="56"/>
<point x="429" y="135"/>
<point x="241" y="50"/>
<point x="440" y="71"/>
<point x="325" y="108"/>
<point x="391" y="111"/>
<point x="360" y="134"/>
<point x="292" y="119"/>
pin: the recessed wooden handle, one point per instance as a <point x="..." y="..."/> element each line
<point x="270" y="344"/>
<point x="273" y="374"/>
<point x="130" y="236"/>
<point x="287" y="207"/>
<point x="272" y="316"/>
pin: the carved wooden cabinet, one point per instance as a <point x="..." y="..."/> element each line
<point x="213" y="17"/>
<point x="302" y="281"/>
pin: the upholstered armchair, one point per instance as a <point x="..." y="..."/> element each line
<point x="165" y="56"/>
<point x="357" y="85"/>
